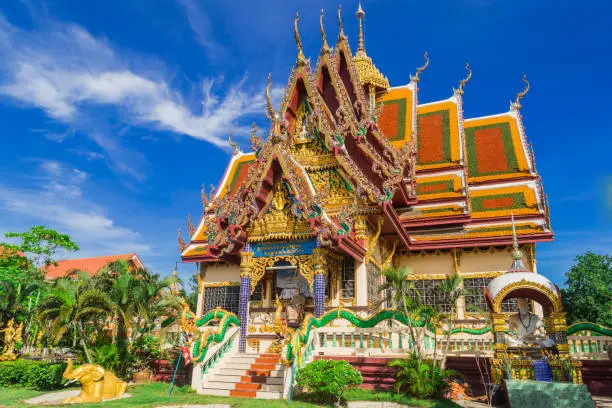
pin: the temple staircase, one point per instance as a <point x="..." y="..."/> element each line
<point x="247" y="375"/>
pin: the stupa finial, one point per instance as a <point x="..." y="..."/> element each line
<point x="517" y="255"/>
<point x="360" y="41"/>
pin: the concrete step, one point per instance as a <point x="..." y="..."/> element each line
<point x="243" y="358"/>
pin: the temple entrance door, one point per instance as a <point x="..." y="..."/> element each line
<point x="292" y="290"/>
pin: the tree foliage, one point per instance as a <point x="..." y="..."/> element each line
<point x="588" y="295"/>
<point x="41" y="244"/>
<point x="328" y="380"/>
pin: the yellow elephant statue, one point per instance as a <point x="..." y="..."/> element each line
<point x="97" y="384"/>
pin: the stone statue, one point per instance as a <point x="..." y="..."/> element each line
<point x="527" y="325"/>
<point x="12" y="336"/>
<point x="97" y="384"/>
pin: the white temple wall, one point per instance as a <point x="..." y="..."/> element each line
<point x="222" y="273"/>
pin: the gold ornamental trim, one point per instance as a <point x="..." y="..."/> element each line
<point x="302" y="262"/>
<point x="219" y="284"/>
<point x="501" y="295"/>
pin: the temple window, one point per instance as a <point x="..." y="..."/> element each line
<point x="226" y="297"/>
<point x="257" y="294"/>
<point x="475" y="300"/>
<point x="348" y="277"/>
<point x="374" y="284"/>
<point x="431" y="295"/>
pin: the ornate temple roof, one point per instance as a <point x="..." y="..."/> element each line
<point x="438" y="179"/>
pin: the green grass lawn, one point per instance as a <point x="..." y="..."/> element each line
<point x="156" y="395"/>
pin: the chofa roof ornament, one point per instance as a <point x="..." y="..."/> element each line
<point x="459" y="91"/>
<point x="415" y="78"/>
<point x="516" y="105"/>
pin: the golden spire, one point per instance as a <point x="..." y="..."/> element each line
<point x="270" y="114"/>
<point x="301" y="59"/>
<point x="520" y="95"/>
<point x="360" y="41"/>
<point x="369" y="75"/>
<point x="415" y="78"/>
<point x="517" y="255"/>
<point x="341" y="35"/>
<point x="232" y="143"/>
<point x="325" y="45"/>
<point x="464" y="81"/>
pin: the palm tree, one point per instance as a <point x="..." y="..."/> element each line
<point x="72" y="302"/>
<point x="401" y="293"/>
<point x="452" y="290"/>
<point x="138" y="298"/>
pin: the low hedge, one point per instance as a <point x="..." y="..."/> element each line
<point x="40" y="375"/>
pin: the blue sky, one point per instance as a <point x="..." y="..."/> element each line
<point x="113" y="113"/>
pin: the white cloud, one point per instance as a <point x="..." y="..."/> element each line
<point x="202" y="28"/>
<point x="66" y="72"/>
<point x="56" y="199"/>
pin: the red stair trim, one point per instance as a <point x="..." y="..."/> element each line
<point x="242" y="393"/>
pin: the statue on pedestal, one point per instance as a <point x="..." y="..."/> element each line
<point x="12" y="336"/>
<point x="528" y="327"/>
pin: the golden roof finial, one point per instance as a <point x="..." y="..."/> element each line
<point x="360" y="41"/>
<point x="256" y="141"/>
<point x="270" y="114"/>
<point x="415" y="78"/>
<point x="464" y="81"/>
<point x="325" y="45"/>
<point x="301" y="59"/>
<point x="341" y="35"/>
<point x="181" y="241"/>
<point x="232" y="143"/>
<point x="190" y="226"/>
<point x="520" y="95"/>
<point x="205" y="201"/>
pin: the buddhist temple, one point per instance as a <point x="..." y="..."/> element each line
<point x="355" y="175"/>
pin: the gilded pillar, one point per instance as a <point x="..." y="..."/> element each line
<point x="319" y="280"/>
<point x="246" y="264"/>
<point x="500" y="326"/>
<point x="556" y="328"/>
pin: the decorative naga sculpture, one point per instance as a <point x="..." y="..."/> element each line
<point x="97" y="384"/>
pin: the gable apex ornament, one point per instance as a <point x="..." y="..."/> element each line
<point x="325" y="49"/>
<point x="301" y="59"/>
<point x="459" y="91"/>
<point x="415" y="77"/>
<point x="516" y="105"/>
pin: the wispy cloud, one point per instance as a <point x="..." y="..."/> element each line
<point x="66" y="72"/>
<point x="56" y="199"/>
<point x="202" y="28"/>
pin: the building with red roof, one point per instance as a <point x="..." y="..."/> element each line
<point x="90" y="265"/>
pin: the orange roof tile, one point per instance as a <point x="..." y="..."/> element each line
<point x="89" y="265"/>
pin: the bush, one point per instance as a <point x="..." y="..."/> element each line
<point x="40" y="375"/>
<point x="327" y="380"/>
<point x="421" y="379"/>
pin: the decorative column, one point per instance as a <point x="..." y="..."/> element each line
<point x="319" y="280"/>
<point x="201" y="275"/>
<point x="556" y="328"/>
<point x="361" y="284"/>
<point x="246" y="263"/>
<point x="500" y="326"/>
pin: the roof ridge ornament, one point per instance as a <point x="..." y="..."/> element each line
<point x="205" y="201"/>
<point x="516" y="105"/>
<point x="181" y="242"/>
<point x="415" y="78"/>
<point x="232" y="143"/>
<point x="325" y="48"/>
<point x="459" y="91"/>
<point x="270" y="114"/>
<point x="341" y="35"/>
<point x="301" y="59"/>
<point x="360" y="40"/>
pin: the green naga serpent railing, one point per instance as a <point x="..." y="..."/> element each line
<point x="205" y="338"/>
<point x="588" y="326"/>
<point x="301" y="336"/>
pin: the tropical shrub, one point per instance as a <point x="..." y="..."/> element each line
<point x="327" y="380"/>
<point x="40" y="375"/>
<point x="421" y="379"/>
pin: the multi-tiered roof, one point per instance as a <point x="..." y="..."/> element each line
<point x="345" y="144"/>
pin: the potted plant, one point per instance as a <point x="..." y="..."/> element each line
<point x="568" y="368"/>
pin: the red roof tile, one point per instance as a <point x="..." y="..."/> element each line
<point x="90" y="265"/>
